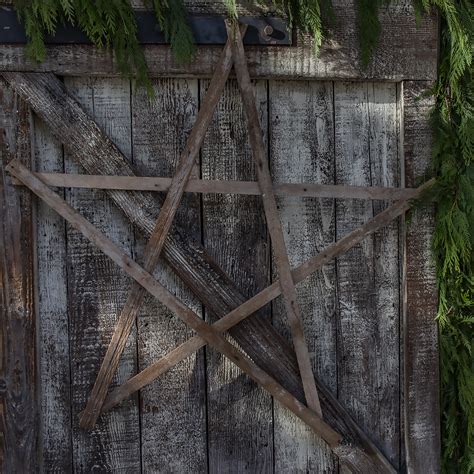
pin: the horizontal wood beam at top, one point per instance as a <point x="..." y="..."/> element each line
<point x="405" y="52"/>
<point x="142" y="183"/>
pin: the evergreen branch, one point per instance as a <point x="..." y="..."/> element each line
<point x="453" y="165"/>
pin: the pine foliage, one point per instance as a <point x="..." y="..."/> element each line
<point x="369" y="27"/>
<point x="111" y="24"/>
<point x="306" y="15"/>
<point x="453" y="242"/>
<point x="107" y="23"/>
<point x="171" y="16"/>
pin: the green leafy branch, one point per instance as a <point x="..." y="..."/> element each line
<point x="107" y="23"/>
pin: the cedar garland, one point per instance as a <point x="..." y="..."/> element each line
<point x="453" y="240"/>
<point x="111" y="24"/>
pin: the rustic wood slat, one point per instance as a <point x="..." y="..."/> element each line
<point x="368" y="349"/>
<point x="18" y="412"/>
<point x="172" y="411"/>
<point x="234" y="233"/>
<point x="406" y="51"/>
<point x="195" y="267"/>
<point x="420" y="330"/>
<point x="302" y="127"/>
<point x="96" y="292"/>
<point x="53" y="325"/>
<point x="222" y="186"/>
<point x="157" y="240"/>
<point x="280" y="253"/>
<point x="212" y="336"/>
<point x="385" y="171"/>
<point x="354" y="270"/>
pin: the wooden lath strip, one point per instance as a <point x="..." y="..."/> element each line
<point x="157" y="239"/>
<point x="95" y="152"/>
<point x="160" y="184"/>
<point x="273" y="220"/>
<point x="212" y="336"/>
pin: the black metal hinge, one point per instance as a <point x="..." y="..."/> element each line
<point x="207" y="30"/>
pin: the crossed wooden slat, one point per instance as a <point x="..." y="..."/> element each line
<point x="212" y="334"/>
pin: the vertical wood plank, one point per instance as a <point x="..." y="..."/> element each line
<point x="302" y="150"/>
<point x="239" y="413"/>
<point x="173" y="408"/>
<point x="385" y="171"/>
<point x="368" y="278"/>
<point x="53" y="325"/>
<point x="97" y="290"/>
<point x="421" y="347"/>
<point x="18" y="389"/>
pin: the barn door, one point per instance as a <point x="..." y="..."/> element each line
<point x="363" y="312"/>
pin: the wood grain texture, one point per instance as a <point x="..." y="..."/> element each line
<point x="97" y="291"/>
<point x="53" y="323"/>
<point x="420" y="344"/>
<point x="368" y="297"/>
<point x="235" y="235"/>
<point x="18" y="377"/>
<point x="385" y="171"/>
<point x="405" y="52"/>
<point x="261" y="342"/>
<point x="347" y="453"/>
<point x="216" y="7"/>
<point x="302" y="129"/>
<point x="173" y="409"/>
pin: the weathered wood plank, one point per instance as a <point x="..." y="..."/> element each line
<point x="368" y="349"/>
<point x="302" y="128"/>
<point x="353" y="269"/>
<point x="235" y="235"/>
<point x="53" y="323"/>
<point x="226" y="186"/>
<point x="385" y="171"/>
<point x="191" y="319"/>
<point x="173" y="409"/>
<point x="97" y="292"/>
<point x="98" y="155"/>
<point x="18" y="413"/>
<point x="157" y="239"/>
<point x="420" y="330"/>
<point x="405" y="52"/>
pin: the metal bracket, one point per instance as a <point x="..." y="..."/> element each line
<point x="207" y="30"/>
